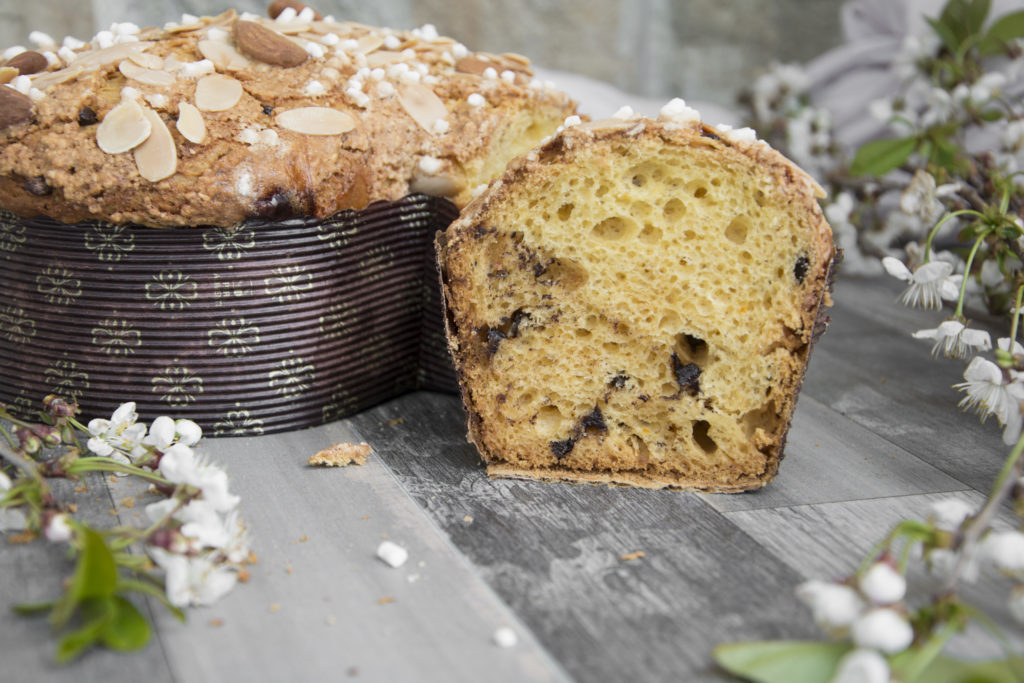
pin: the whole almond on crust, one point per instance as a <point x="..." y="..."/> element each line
<point x="156" y="158"/>
<point x="316" y="121"/>
<point x="190" y="123"/>
<point x="28" y="62"/>
<point x="474" y="65"/>
<point x="267" y="46"/>
<point x="279" y="6"/>
<point x="123" y="128"/>
<point x="14" y="107"/>
<point x="217" y="92"/>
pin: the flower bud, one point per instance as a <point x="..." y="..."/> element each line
<point x="948" y="514"/>
<point x="58" y="407"/>
<point x="188" y="432"/>
<point x="1005" y="550"/>
<point x="57" y="529"/>
<point x="50" y="436"/>
<point x="834" y="606"/>
<point x="882" y="584"/>
<point x="29" y="442"/>
<point x="862" y="666"/>
<point x="883" y="629"/>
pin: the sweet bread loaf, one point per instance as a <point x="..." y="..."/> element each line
<point x="634" y="302"/>
<point x="217" y="119"/>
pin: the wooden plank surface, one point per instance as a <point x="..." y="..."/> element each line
<point x="546" y="559"/>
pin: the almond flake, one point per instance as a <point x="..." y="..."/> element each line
<point x="7" y="74"/>
<point x="123" y="128"/>
<point x="369" y="43"/>
<point x="53" y="78"/>
<point x="316" y="121"/>
<point x="217" y="92"/>
<point x="422" y="105"/>
<point x="223" y="55"/>
<point x="108" y="55"/>
<point x="190" y="123"/>
<point x="385" y="57"/>
<point x="156" y="158"/>
<point x="267" y="46"/>
<point x="144" y="75"/>
<point x="146" y="60"/>
<point x="436" y="186"/>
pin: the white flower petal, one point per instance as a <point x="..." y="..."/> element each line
<point x="1005" y="550"/>
<point x="161" y="433"/>
<point x="883" y="629"/>
<point x="58" y="530"/>
<point x="99" y="446"/>
<point x="896" y="268"/>
<point x="834" y="606"/>
<point x="1003" y="344"/>
<point x="188" y="432"/>
<point x="883" y="585"/>
<point x="5" y="481"/>
<point x="948" y="514"/>
<point x="178" y="464"/>
<point x="862" y="666"/>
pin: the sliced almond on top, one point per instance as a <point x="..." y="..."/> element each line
<point x="190" y="123"/>
<point x="7" y="74"/>
<point x="146" y="60"/>
<point x="108" y="55"/>
<point x="28" y="62"/>
<point x="422" y="105"/>
<point x="222" y="55"/>
<point x="262" y="44"/>
<point x="143" y="75"/>
<point x="123" y="128"/>
<point x="316" y="121"/>
<point x="156" y="158"/>
<point x="14" y="107"/>
<point x="385" y="57"/>
<point x="369" y="43"/>
<point x="217" y="92"/>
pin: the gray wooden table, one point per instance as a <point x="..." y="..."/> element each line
<point x="877" y="437"/>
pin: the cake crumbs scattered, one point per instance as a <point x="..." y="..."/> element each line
<point x="341" y="455"/>
<point x="365" y="517"/>
<point x="288" y="569"/>
<point x="386" y="600"/>
<point x="392" y="554"/>
<point x="468" y="519"/>
<point x="112" y="478"/>
<point x="275" y="607"/>
<point x="81" y="489"/>
<point x="635" y="555"/>
<point x="244" y="576"/>
<point x="216" y="623"/>
<point x="505" y="637"/>
<point x="331" y="621"/>
<point x="22" y="537"/>
<point x="128" y="502"/>
<point x="396" y="421"/>
<point x="302" y="539"/>
<point x="352" y="672"/>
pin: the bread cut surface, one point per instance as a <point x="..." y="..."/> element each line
<point x="634" y="302"/>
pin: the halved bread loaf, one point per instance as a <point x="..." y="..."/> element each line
<point x="634" y="302"/>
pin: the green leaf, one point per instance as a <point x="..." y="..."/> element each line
<point x="878" y="157"/>
<point x="1006" y="28"/>
<point x="781" y="661"/>
<point x="28" y="609"/>
<point x="945" y="669"/>
<point x="945" y="34"/>
<point x="127" y="630"/>
<point x="974" y="15"/>
<point x="95" y="576"/>
<point x="97" y="615"/>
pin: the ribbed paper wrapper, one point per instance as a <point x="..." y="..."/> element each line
<point x="265" y="327"/>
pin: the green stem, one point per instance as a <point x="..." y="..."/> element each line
<point x="934" y="231"/>
<point x="99" y="464"/>
<point x="959" y="313"/>
<point x="10" y="439"/>
<point x="927" y="654"/>
<point x="1016" y="318"/>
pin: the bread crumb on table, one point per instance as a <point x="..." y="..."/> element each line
<point x="341" y="455"/>
<point x="635" y="555"/>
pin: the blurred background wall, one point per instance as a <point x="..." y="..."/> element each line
<point x="703" y="50"/>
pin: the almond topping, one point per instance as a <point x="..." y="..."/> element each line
<point x="267" y="46"/>
<point x="222" y="55"/>
<point x="108" y="55"/>
<point x="123" y="128"/>
<point x="14" y="107"/>
<point x="278" y="6"/>
<point x="7" y="74"/>
<point x="28" y="62"/>
<point x="146" y="60"/>
<point x="422" y="105"/>
<point x="385" y="57"/>
<point x="143" y="75"/>
<point x="217" y="92"/>
<point x="369" y="43"/>
<point x="474" y="65"/>
<point x="190" y="123"/>
<point x="156" y="158"/>
<point x="316" y="121"/>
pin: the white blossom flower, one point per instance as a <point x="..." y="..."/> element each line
<point x="942" y="562"/>
<point x="883" y="629"/>
<point x="835" y="607"/>
<point x="161" y="433"/>
<point x="862" y="666"/>
<point x="193" y="580"/>
<point x="117" y="436"/>
<point x="5" y="481"/>
<point x="921" y="198"/>
<point x="1016" y="349"/>
<point x="988" y="394"/>
<point x="954" y="340"/>
<point x="58" y="530"/>
<point x="882" y="584"/>
<point x="929" y="284"/>
<point x="189" y="433"/>
<point x="179" y="465"/>
<point x="1005" y="550"/>
<point x="949" y="513"/>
